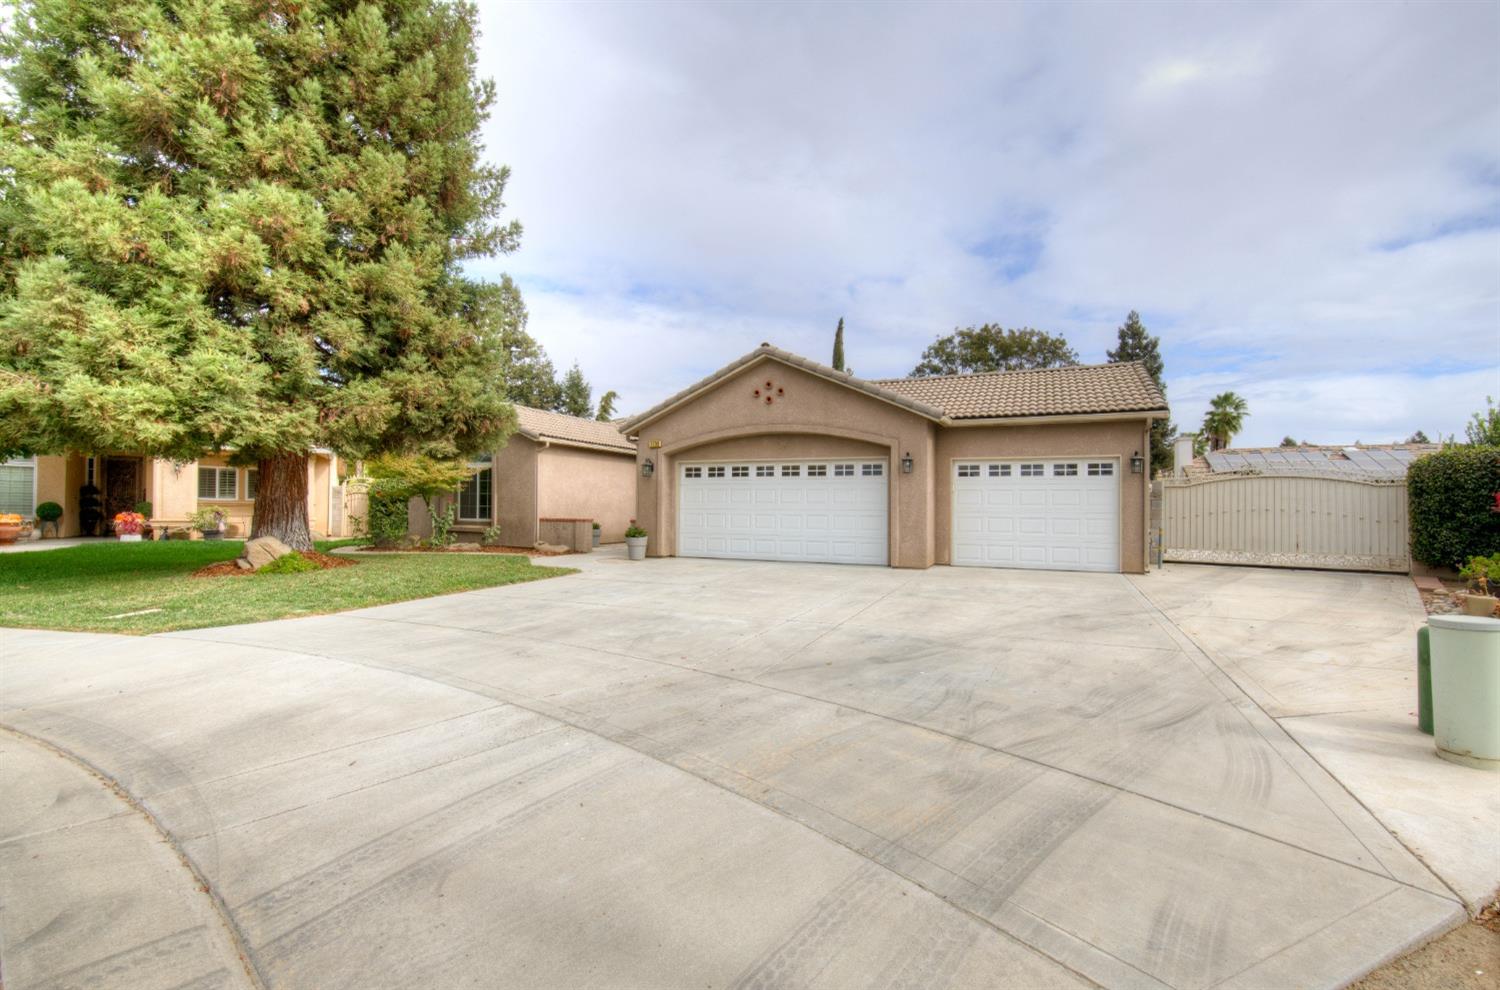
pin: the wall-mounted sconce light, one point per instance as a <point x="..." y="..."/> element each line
<point x="1137" y="463"/>
<point x="647" y="468"/>
<point x="906" y="463"/>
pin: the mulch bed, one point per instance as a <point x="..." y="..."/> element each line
<point x="471" y="548"/>
<point x="228" y="568"/>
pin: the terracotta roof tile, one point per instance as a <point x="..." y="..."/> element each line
<point x="1076" y="390"/>
<point x="539" y="424"/>
<point x="1073" y="390"/>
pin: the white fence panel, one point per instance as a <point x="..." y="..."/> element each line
<point x="1286" y="521"/>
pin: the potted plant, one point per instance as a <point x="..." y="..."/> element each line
<point x="635" y="542"/>
<point x="209" y="520"/>
<point x="90" y="514"/>
<point x="597" y="533"/>
<point x="143" y="509"/>
<point x="129" y="526"/>
<point x="48" y="514"/>
<point x="10" y="527"/>
<point x="1480" y="572"/>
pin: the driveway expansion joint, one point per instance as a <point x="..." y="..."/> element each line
<point x="218" y="908"/>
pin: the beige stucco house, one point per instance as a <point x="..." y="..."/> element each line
<point x="778" y="457"/>
<point x="554" y="467"/>
<point x="175" y="490"/>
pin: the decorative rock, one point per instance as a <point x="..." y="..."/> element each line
<point x="243" y="564"/>
<point x="550" y="547"/>
<point x="262" y="550"/>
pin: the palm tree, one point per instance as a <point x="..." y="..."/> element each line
<point x="1226" y="415"/>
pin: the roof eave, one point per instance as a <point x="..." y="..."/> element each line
<point x="580" y="444"/>
<point x="1058" y="418"/>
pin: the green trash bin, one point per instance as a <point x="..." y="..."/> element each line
<point x="1424" y="680"/>
<point x="1466" y="689"/>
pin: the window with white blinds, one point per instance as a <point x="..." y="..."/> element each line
<point x="18" y="487"/>
<point x="218" y="484"/>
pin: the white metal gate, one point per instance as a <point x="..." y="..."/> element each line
<point x="1286" y="521"/>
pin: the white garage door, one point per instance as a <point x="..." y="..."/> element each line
<point x="832" y="511"/>
<point x="1055" y="514"/>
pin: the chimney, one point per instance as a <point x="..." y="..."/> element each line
<point x="1182" y="454"/>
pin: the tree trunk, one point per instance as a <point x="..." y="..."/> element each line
<point x="281" y="501"/>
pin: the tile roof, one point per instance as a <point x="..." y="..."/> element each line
<point x="1074" y="390"/>
<point x="541" y="425"/>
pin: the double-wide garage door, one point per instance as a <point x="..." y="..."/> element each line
<point x="1044" y="513"/>
<point x="826" y="510"/>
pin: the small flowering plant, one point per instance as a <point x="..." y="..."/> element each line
<point x="129" y="523"/>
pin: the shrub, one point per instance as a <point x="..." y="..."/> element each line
<point x="89" y="512"/>
<point x="491" y="536"/>
<point x="1450" y="494"/>
<point x="634" y="531"/>
<point x="208" y="519"/>
<point x="289" y="563"/>
<point x="1482" y="573"/>
<point x="49" y="512"/>
<point x="143" y="508"/>
<point x="389" y="499"/>
<point x="442" y="527"/>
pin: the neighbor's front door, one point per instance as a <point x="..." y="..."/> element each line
<point x="122" y="485"/>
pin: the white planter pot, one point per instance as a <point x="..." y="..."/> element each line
<point x="635" y="546"/>
<point x="130" y="537"/>
<point x="596" y="537"/>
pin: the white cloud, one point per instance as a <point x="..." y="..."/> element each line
<point x="695" y="179"/>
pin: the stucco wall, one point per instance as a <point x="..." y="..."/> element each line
<point x="52" y="486"/>
<point x="810" y="415"/>
<point x="586" y="484"/>
<point x="515" y="490"/>
<point x="1118" y="439"/>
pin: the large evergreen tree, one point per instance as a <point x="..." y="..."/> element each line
<point x="838" y="346"/>
<point x="239" y="226"/>
<point x="607" y="403"/>
<point x="577" y="394"/>
<point x="527" y="372"/>
<point x="993" y="348"/>
<point x="1135" y="344"/>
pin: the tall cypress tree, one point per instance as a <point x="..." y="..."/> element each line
<point x="1135" y="344"/>
<point x="838" y="346"/>
<point x="234" y="226"/>
<point x="577" y="394"/>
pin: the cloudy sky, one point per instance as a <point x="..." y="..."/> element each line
<point x="1303" y="201"/>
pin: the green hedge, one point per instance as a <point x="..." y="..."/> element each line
<point x="1449" y="497"/>
<point x="388" y="503"/>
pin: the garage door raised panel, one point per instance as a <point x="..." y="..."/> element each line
<point x="1052" y="513"/>
<point x="833" y="511"/>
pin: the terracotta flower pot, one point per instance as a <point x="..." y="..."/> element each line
<point x="1482" y="605"/>
<point x="9" y="532"/>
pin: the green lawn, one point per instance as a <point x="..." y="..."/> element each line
<point x="82" y="587"/>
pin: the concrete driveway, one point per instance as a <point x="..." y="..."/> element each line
<point x="688" y="774"/>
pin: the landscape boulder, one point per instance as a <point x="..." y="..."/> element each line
<point x="262" y="550"/>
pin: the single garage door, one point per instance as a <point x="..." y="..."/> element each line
<point x="832" y="511"/>
<point x="1055" y="514"/>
